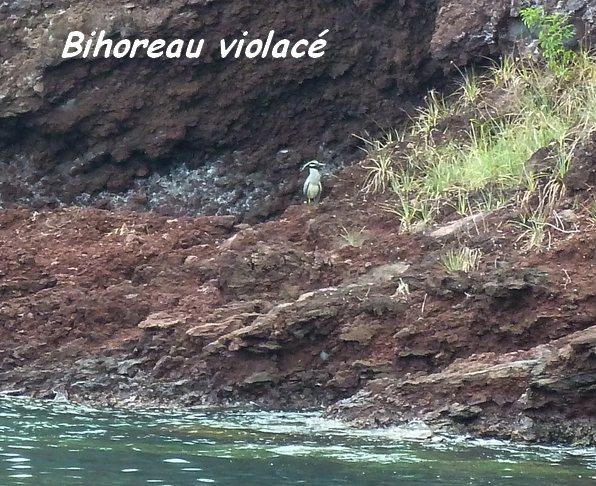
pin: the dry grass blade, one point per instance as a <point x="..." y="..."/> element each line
<point x="461" y="259"/>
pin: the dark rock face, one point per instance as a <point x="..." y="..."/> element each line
<point x="124" y="307"/>
<point x="210" y="135"/>
<point x="532" y="384"/>
<point x="83" y="126"/>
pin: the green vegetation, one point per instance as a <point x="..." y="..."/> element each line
<point x="554" y="31"/>
<point x="461" y="259"/>
<point x="503" y="138"/>
<point x="380" y="171"/>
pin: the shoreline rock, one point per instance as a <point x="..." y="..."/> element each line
<point x="504" y="352"/>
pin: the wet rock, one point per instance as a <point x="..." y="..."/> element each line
<point x="464" y="413"/>
<point x="463" y="397"/>
<point x="15" y="393"/>
<point x="129" y="367"/>
<point x="166" y="364"/>
<point x="504" y="352"/>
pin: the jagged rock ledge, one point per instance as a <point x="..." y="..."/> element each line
<point x="125" y="309"/>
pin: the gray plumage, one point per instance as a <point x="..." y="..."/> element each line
<point x="312" y="185"/>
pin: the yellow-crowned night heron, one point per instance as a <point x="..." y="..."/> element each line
<point x="312" y="185"/>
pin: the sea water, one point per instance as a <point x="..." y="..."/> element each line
<point x="53" y="443"/>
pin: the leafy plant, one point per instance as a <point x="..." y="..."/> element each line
<point x="470" y="88"/>
<point x="535" y="220"/>
<point x="462" y="204"/>
<point x="491" y="200"/>
<point x="405" y="209"/>
<point x="427" y="210"/>
<point x="414" y="213"/>
<point x="554" y="31"/>
<point x="486" y="159"/>
<point x="535" y="230"/>
<point x="503" y="72"/>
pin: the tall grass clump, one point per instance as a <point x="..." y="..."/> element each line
<point x="461" y="259"/>
<point x="379" y="161"/>
<point x="504" y="118"/>
<point x="430" y="114"/>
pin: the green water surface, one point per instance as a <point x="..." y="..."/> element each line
<point x="50" y="443"/>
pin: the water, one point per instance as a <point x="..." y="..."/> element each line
<point x="49" y="443"/>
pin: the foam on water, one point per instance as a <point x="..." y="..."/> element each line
<point x="274" y="448"/>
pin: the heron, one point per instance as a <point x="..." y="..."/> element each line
<point x="312" y="185"/>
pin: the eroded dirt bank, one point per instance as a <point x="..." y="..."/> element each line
<point x="137" y="308"/>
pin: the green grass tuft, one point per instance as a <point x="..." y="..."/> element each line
<point x="461" y="259"/>
<point x="514" y="110"/>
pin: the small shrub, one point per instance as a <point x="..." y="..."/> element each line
<point x="491" y="200"/>
<point x="461" y="204"/>
<point x="470" y="89"/>
<point x="535" y="218"/>
<point x="428" y="116"/>
<point x="554" y="31"/>
<point x="504" y="72"/>
<point x="535" y="231"/>
<point x="414" y="214"/>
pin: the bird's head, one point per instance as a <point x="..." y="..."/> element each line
<point x="313" y="164"/>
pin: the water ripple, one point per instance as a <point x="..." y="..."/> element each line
<point x="63" y="444"/>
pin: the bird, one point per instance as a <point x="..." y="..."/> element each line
<point x="312" y="185"/>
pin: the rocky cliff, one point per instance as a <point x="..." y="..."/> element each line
<point x="124" y="308"/>
<point x="329" y="305"/>
<point x="210" y="135"/>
